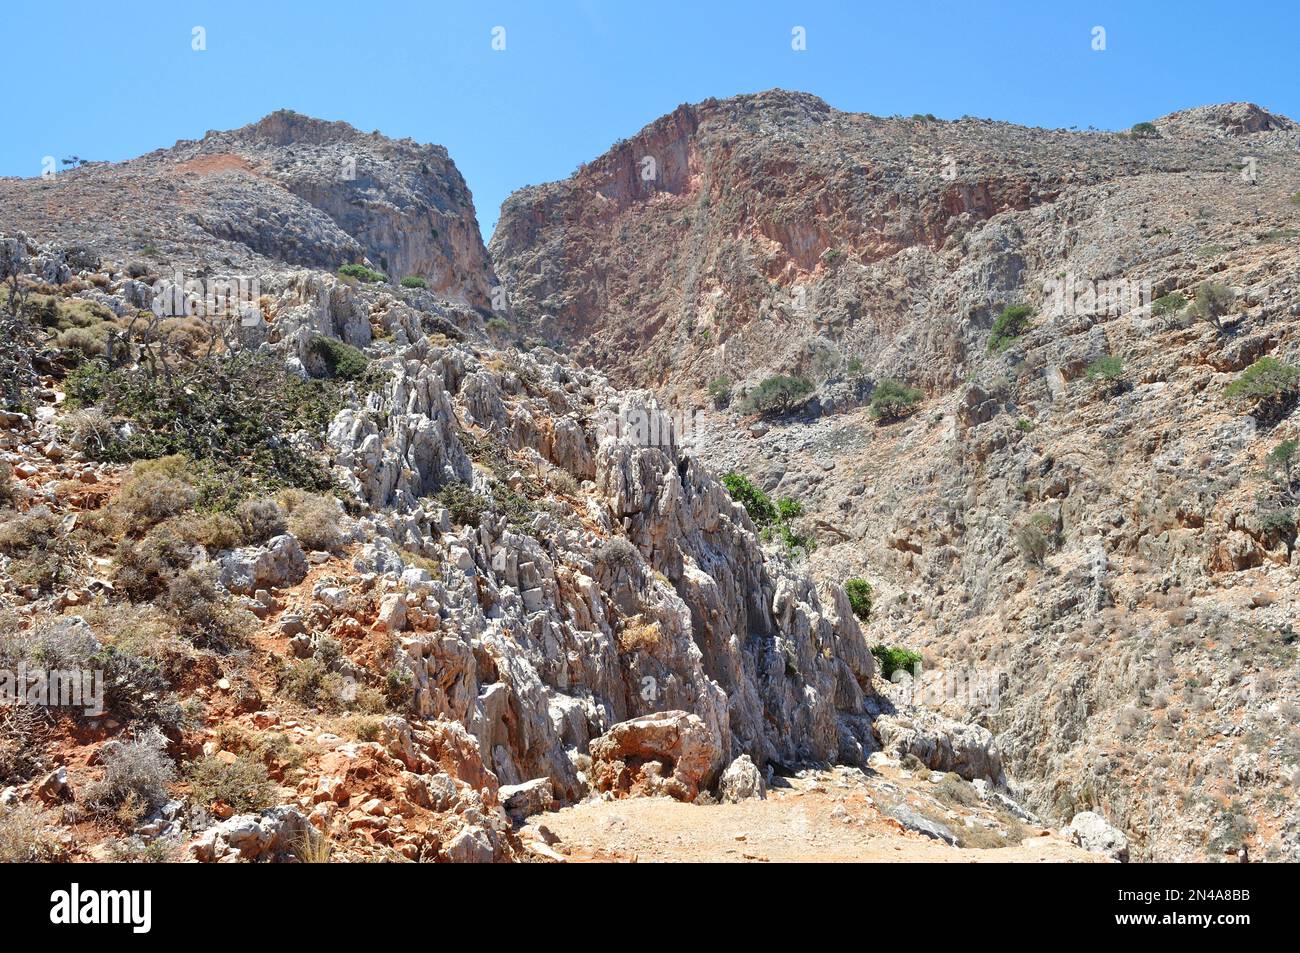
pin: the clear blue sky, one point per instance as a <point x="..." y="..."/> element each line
<point x="113" y="80"/>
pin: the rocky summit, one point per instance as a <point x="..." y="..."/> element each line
<point x="787" y="484"/>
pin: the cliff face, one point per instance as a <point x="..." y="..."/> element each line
<point x="1151" y="627"/>
<point x="772" y="233"/>
<point x="287" y="189"/>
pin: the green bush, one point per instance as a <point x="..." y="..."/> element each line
<point x="1033" y="544"/>
<point x="1168" y="304"/>
<point x="465" y="506"/>
<point x="859" y="592"/>
<point x="362" y="273"/>
<point x="1268" y="384"/>
<point x="756" y="503"/>
<point x="778" y="394"/>
<point x="414" y="281"/>
<point x="1144" y="130"/>
<point x="895" y="660"/>
<point x="1008" y="326"/>
<point x="720" y="390"/>
<point x="230" y="415"/>
<point x="497" y="325"/>
<point x="341" y="359"/>
<point x="1106" y="368"/>
<point x="1213" y="300"/>
<point x="893" y="400"/>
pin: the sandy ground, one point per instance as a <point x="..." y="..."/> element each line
<point x="811" y="820"/>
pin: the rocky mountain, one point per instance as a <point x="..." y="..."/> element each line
<point x="1081" y="505"/>
<point x="347" y="566"/>
<point x="287" y="189"/>
<point x="339" y="577"/>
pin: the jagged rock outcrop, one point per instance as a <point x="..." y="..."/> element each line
<point x="285" y="190"/>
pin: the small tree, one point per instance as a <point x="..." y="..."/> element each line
<point x="778" y="394"/>
<point x="756" y="503"/>
<point x="1269" y="385"/>
<point x="1144" y="130"/>
<point x="1032" y="543"/>
<point x="1213" y="301"/>
<point x="893" y="400"/>
<point x="859" y="593"/>
<point x="1008" y="326"/>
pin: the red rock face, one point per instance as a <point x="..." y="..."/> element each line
<point x="745" y="236"/>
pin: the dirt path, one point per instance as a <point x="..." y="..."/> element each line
<point x="814" y="819"/>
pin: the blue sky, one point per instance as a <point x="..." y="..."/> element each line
<point x="114" y="80"/>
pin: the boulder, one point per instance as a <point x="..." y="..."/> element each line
<point x="277" y="564"/>
<point x="741" y="781"/>
<point x="669" y="752"/>
<point x="1092" y="832"/>
<point x="525" y="800"/>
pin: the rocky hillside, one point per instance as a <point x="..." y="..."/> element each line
<point x="287" y="189"/>
<point x="1074" y="490"/>
<point x="338" y="577"/>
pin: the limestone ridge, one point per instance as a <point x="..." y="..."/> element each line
<point x="286" y="190"/>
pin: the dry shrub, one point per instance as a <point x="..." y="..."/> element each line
<point x="261" y="519"/>
<point x="315" y="520"/>
<point x="155" y="491"/>
<point x="29" y="835"/>
<point x="135" y="780"/>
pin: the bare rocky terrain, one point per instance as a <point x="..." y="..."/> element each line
<point x="1143" y="656"/>
<point x="372" y="572"/>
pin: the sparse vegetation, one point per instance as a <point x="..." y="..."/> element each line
<point x="778" y="394"/>
<point x="362" y="273"/>
<point x="1269" y="385"/>
<point x="860" y="593"/>
<point x="892" y="400"/>
<point x="414" y="281"/>
<point x="1009" y="325"/>
<point x="135" y="779"/>
<point x="237" y="782"/>
<point x="720" y="390"/>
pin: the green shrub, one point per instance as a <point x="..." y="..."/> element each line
<point x="756" y="503"/>
<point x="893" y="660"/>
<point x="1213" y="300"/>
<point x="241" y="784"/>
<point x="341" y="359"/>
<point x="414" y="281"/>
<point x="6" y="483"/>
<point x="1268" y="384"/>
<point x="720" y="390"/>
<point x="231" y="415"/>
<point x="1295" y="199"/>
<point x="1144" y="130"/>
<point x="778" y="394"/>
<point x="497" y="325"/>
<point x="893" y="400"/>
<point x="465" y="506"/>
<point x="1168" y="304"/>
<point x="1025" y="425"/>
<point x="788" y="509"/>
<point x="1008" y="326"/>
<point x="1032" y="543"/>
<point x="362" y="273"/>
<point x="859" y="592"/>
